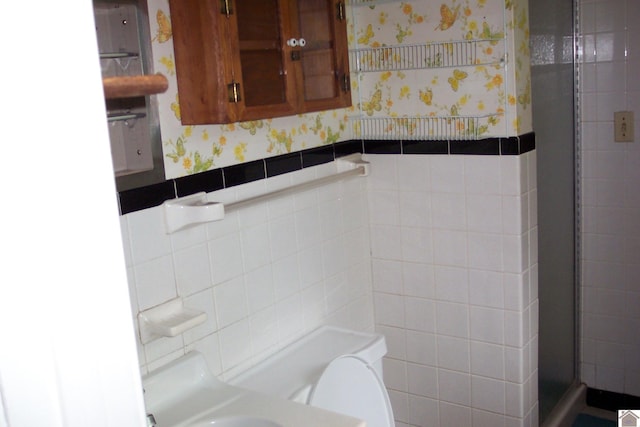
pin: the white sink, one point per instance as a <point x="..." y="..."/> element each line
<point x="238" y="421"/>
<point x="184" y="393"/>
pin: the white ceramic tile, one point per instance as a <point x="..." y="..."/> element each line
<point x="126" y="242"/>
<point x="422" y="380"/>
<point x="400" y="405"/>
<point x="254" y="214"/>
<point x="486" y="325"/>
<point x="487" y="360"/>
<point x="486" y="288"/>
<point x="225" y="258"/>
<point x="423" y="411"/>
<point x="395" y="338"/>
<point x="255" y="246"/>
<point x="447" y="174"/>
<point x="484" y="213"/>
<point x="210" y="349"/>
<point x="415" y="209"/>
<point x="417" y="244"/>
<point x="387" y="276"/>
<point x="449" y="211"/>
<point x="395" y="374"/>
<point x="511" y="172"/>
<point x="383" y="173"/>
<point x="488" y="394"/>
<point x="454" y="415"/>
<point x="286" y="277"/>
<point x="452" y="284"/>
<point x="419" y="314"/>
<point x="513" y="328"/>
<point x="357" y="246"/>
<point x="203" y="302"/>
<point x="192" y="270"/>
<point x="421" y="348"/>
<point x="418" y="279"/>
<point x="413" y="173"/>
<point x="333" y="256"/>
<point x="336" y="289"/>
<point x="330" y="213"/>
<point x="264" y="331"/>
<point x="384" y="207"/>
<point x="231" y="302"/>
<point x="310" y="261"/>
<point x="452" y="319"/>
<point x="515" y="252"/>
<point x="454" y="387"/>
<point x="307" y="227"/>
<point x="513" y="291"/>
<point x="155" y="282"/>
<point x="147" y="232"/>
<point x="283" y="205"/>
<point x="482" y="175"/>
<point x="314" y="303"/>
<point x="485" y="251"/>
<point x="386" y="242"/>
<point x="282" y="236"/>
<point x="453" y="353"/>
<point x="487" y="419"/>
<point x="235" y="348"/>
<point x="290" y="318"/>
<point x="515" y="214"/>
<point x="389" y="309"/>
<point x="514" y="402"/>
<point x="450" y="248"/>
<point x="260" y="289"/>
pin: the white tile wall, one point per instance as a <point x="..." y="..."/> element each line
<point x="454" y="266"/>
<point x="611" y="200"/>
<point x="264" y="275"/>
<point x="425" y="243"/>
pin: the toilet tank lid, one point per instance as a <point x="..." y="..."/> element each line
<point x="301" y="363"/>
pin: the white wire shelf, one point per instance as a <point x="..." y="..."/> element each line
<point x="420" y="128"/>
<point x="369" y="2"/>
<point x="423" y="56"/>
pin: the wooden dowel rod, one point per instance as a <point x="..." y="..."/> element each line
<point x="132" y="86"/>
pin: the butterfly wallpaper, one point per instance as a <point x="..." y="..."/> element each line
<point x="492" y="89"/>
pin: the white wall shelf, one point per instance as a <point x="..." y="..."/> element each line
<point x="420" y="128"/>
<point x="461" y="53"/>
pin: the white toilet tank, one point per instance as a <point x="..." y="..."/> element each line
<point x="333" y="368"/>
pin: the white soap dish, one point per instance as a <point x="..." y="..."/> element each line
<point x="168" y="320"/>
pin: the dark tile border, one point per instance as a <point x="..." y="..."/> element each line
<point x="611" y="401"/>
<point x="216" y="179"/>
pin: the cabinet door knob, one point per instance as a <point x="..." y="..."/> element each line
<point x="296" y="42"/>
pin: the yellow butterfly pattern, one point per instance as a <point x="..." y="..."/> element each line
<point x="374" y="104"/>
<point x="456" y="78"/>
<point x="164" y="28"/>
<point x="447" y="17"/>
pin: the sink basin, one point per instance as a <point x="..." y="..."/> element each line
<point x="238" y="421"/>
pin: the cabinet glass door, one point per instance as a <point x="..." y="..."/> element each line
<point x="318" y="53"/>
<point x="262" y="59"/>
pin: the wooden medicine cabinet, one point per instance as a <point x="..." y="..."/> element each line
<point x="256" y="59"/>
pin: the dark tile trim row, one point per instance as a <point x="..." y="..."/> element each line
<point x="217" y="179"/>
<point x="611" y="401"/>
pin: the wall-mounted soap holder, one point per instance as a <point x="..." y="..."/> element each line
<point x="168" y="320"/>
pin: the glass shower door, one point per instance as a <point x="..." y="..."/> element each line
<point x="552" y="55"/>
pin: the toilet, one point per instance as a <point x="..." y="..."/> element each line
<point x="336" y="369"/>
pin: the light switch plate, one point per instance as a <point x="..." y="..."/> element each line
<point x="623" y="126"/>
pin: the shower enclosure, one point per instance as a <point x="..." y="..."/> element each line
<point x="553" y="90"/>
